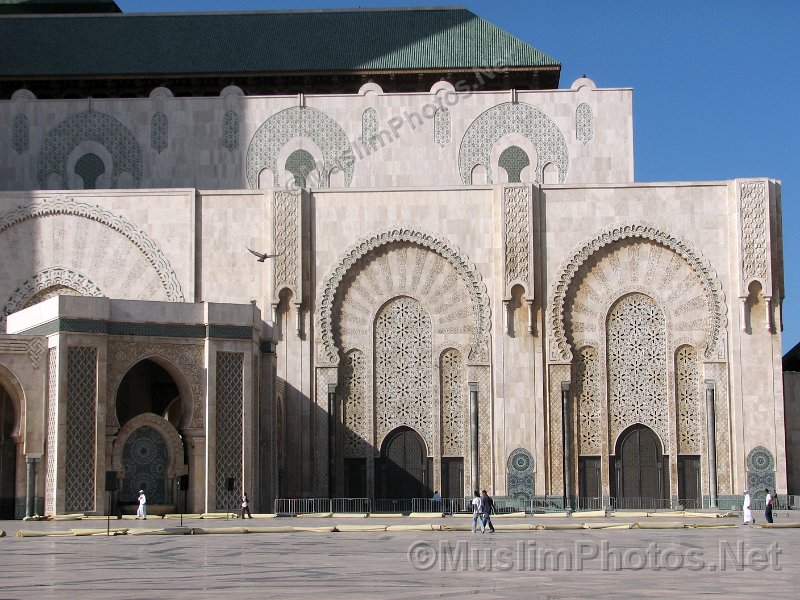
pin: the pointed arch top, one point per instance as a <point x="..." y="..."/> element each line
<point x="479" y="350"/>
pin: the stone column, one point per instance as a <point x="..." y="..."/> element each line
<point x="473" y="432"/>
<point x="712" y="443"/>
<point x="30" y="493"/>
<point x="566" y="438"/>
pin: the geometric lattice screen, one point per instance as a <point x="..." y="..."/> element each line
<point x="760" y="471"/>
<point x="80" y="455"/>
<point x="229" y="427"/>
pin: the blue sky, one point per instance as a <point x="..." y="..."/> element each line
<point x="714" y="84"/>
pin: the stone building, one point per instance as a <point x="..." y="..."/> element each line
<point x="468" y="286"/>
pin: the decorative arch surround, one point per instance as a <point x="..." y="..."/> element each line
<point x="15" y="394"/>
<point x="64" y="206"/>
<point x="299" y="121"/>
<point x="475" y="288"/>
<point x="46" y="284"/>
<point x="711" y="304"/>
<point x="184" y="362"/>
<point x="165" y="429"/>
<point x="90" y="126"/>
<point x="521" y="474"/>
<point x="489" y="127"/>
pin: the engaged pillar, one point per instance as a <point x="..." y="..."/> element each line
<point x="473" y="432"/>
<point x="712" y="443"/>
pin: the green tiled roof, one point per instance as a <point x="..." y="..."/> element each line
<point x="259" y="42"/>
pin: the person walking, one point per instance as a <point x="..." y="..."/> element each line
<point x="141" y="512"/>
<point x="768" y="509"/>
<point x="246" y="506"/>
<point x="487" y="507"/>
<point x="747" y="514"/>
<point x="476" y="511"/>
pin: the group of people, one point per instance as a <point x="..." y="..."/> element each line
<point x="482" y="509"/>
<point x="747" y="514"/>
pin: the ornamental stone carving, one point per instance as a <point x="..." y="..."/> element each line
<point x="151" y="254"/>
<point x="411" y="262"/>
<point x="454" y="410"/>
<point x="637" y="367"/>
<point x="584" y="123"/>
<point x="645" y="258"/>
<point x="80" y="431"/>
<point x="755" y="236"/>
<point x="34" y="347"/>
<point x="517" y="236"/>
<point x="442" y="129"/>
<point x="492" y="125"/>
<point x="691" y="416"/>
<point x="287" y="237"/>
<point x="521" y="474"/>
<point x="47" y="284"/>
<point x="356" y="406"/>
<point x="403" y="373"/>
<point x="760" y="471"/>
<point x="298" y="122"/>
<point x="591" y="403"/>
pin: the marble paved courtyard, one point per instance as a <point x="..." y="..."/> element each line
<point x="738" y="562"/>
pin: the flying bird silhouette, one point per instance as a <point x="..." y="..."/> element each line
<point x="263" y="257"/>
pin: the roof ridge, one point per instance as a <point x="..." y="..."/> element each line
<point x="368" y="9"/>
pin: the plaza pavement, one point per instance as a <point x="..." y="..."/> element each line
<point x="729" y="562"/>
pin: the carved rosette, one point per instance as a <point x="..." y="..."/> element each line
<point x="463" y="271"/>
<point x="287" y="236"/>
<point x="710" y="304"/>
<point x="517" y="237"/>
<point x="187" y="358"/>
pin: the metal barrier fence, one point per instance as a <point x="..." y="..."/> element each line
<point x="298" y="506"/>
<point x="351" y="505"/>
<point x="628" y="503"/>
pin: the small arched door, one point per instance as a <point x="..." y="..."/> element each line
<point x="641" y="468"/>
<point x="404" y="465"/>
<point x="8" y="457"/>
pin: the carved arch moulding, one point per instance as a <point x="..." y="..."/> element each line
<point x="712" y="300"/>
<point x="165" y="429"/>
<point x="150" y="255"/>
<point x="184" y="362"/>
<point x="459" y="264"/>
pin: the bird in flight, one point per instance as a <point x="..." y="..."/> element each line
<point x="263" y="257"/>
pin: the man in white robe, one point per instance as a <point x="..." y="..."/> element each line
<point x="141" y="512"/>
<point x="747" y="514"/>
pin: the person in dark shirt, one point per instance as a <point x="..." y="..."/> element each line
<point x="487" y="508"/>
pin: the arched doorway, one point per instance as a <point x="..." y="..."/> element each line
<point x="8" y="456"/>
<point x="148" y="388"/>
<point x="641" y="469"/>
<point x="405" y="466"/>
